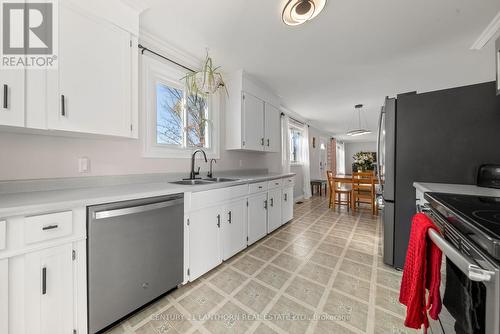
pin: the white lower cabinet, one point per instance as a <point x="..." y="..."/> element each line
<point x="287" y="205"/>
<point x="222" y="222"/>
<point x="257" y="217"/>
<point x="49" y="290"/>
<point x="204" y="241"/>
<point x="273" y="209"/>
<point x="234" y="229"/>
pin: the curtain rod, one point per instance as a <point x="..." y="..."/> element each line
<point x="143" y="48"/>
<point x="294" y="119"/>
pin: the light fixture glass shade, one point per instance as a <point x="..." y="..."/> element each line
<point x="300" y="11"/>
<point x="358" y="130"/>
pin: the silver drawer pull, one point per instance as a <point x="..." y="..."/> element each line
<point x="49" y="227"/>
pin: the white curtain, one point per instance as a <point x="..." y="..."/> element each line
<point x="340" y="158"/>
<point x="285" y="144"/>
<point x="304" y="159"/>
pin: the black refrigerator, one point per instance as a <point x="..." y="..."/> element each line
<point x="440" y="137"/>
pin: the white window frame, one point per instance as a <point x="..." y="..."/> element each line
<point x="154" y="71"/>
<point x="301" y="130"/>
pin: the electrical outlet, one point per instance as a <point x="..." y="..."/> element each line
<point x="84" y="165"/>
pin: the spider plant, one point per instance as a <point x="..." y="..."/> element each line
<point x="206" y="81"/>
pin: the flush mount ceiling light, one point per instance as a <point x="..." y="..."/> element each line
<point x="299" y="11"/>
<point x="358" y="130"/>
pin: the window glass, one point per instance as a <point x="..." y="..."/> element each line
<point x="197" y="122"/>
<point x="295" y="145"/>
<point x="169" y="115"/>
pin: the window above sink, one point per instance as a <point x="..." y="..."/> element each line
<point x="176" y="123"/>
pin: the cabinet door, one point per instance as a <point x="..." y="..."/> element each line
<point x="92" y="90"/>
<point x="274" y="210"/>
<point x="12" y="97"/>
<point x="253" y="123"/>
<point x="234" y="229"/>
<point x="204" y="241"/>
<point x="272" y="129"/>
<point x="287" y="205"/>
<point x="257" y="217"/>
<point x="49" y="291"/>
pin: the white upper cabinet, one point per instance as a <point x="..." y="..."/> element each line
<point x="92" y="90"/>
<point x="253" y="118"/>
<point x="12" y="97"/>
<point x="252" y="115"/>
<point x="272" y="128"/>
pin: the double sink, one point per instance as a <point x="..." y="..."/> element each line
<point x="205" y="181"/>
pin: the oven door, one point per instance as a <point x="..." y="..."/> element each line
<point x="469" y="285"/>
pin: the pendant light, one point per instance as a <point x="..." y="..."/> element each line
<point x="299" y="11"/>
<point x="358" y="130"/>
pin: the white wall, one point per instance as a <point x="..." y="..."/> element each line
<point x="27" y="156"/>
<point x="353" y="148"/>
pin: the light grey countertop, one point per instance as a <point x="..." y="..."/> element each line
<point x="39" y="201"/>
<point x="463" y="189"/>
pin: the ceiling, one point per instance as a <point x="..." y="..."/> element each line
<point x="356" y="51"/>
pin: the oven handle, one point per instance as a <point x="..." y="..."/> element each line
<point x="473" y="272"/>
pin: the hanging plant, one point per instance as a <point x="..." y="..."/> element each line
<point x="205" y="82"/>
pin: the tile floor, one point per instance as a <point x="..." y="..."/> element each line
<point x="320" y="273"/>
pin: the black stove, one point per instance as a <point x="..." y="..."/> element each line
<point x="476" y="217"/>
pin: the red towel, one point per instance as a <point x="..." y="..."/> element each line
<point x="422" y="271"/>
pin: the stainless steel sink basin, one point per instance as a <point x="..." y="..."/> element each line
<point x="192" y="182"/>
<point x="221" y="179"/>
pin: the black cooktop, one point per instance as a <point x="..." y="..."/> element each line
<point x="477" y="217"/>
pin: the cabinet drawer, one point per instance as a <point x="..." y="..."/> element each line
<point x="257" y="187"/>
<point x="3" y="229"/>
<point x="288" y="181"/>
<point x="49" y="226"/>
<point x="273" y="184"/>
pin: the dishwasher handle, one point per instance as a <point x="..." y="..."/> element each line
<point x="136" y="209"/>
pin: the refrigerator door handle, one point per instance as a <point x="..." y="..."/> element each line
<point x="379" y="131"/>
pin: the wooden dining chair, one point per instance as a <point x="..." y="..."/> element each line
<point x="363" y="190"/>
<point x="337" y="190"/>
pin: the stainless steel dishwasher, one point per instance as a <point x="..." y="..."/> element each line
<point x="135" y="254"/>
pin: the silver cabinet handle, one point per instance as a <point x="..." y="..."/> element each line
<point x="5" y="96"/>
<point x="44" y="280"/>
<point x="262" y="141"/>
<point x="49" y="227"/>
<point x="379" y="131"/>
<point x="218" y="221"/>
<point x="230" y="219"/>
<point x="136" y="209"/>
<point x="268" y="143"/>
<point x="463" y="262"/>
<point x="265" y="204"/>
<point x="286" y="197"/>
<point x="272" y="201"/>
